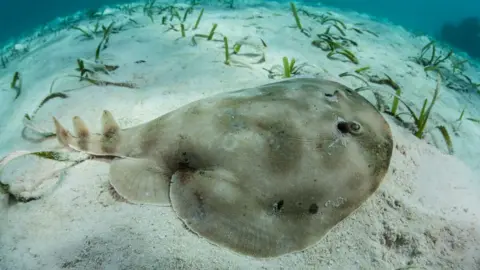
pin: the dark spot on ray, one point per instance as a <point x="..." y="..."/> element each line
<point x="309" y="87"/>
<point x="83" y="133"/>
<point x="115" y="195"/>
<point x="343" y="127"/>
<point x="277" y="207"/>
<point x="64" y="133"/>
<point x="184" y="166"/>
<point x="110" y="132"/>
<point x="182" y="155"/>
<point x="200" y="211"/>
<point x="184" y="175"/>
<point x="313" y="209"/>
<point x="83" y="143"/>
<point x="283" y="144"/>
<point x="328" y="95"/>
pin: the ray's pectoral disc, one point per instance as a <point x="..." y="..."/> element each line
<point x="254" y="207"/>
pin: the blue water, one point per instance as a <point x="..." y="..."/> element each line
<point x="18" y="17"/>
<point x="425" y="16"/>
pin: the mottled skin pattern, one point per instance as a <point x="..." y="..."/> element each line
<point x="263" y="171"/>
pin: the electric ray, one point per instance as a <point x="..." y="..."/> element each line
<point x="263" y="171"/>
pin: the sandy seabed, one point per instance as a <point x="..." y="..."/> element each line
<point x="424" y="216"/>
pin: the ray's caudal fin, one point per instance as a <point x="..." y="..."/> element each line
<point x="104" y="144"/>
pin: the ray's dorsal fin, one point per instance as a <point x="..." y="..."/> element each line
<point x="103" y="144"/>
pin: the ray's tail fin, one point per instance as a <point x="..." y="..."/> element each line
<point x="105" y="143"/>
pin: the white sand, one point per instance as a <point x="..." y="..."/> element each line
<point x="425" y="214"/>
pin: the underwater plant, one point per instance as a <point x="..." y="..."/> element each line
<point x="86" y="33"/>
<point x="350" y="74"/>
<point x="230" y="3"/>
<point x="326" y="43"/>
<point x="182" y="19"/>
<point x="82" y="77"/>
<point x="16" y="84"/>
<point x="32" y="191"/>
<point x="97" y="14"/>
<point x="227" y="54"/>
<point x="86" y="67"/>
<point x="199" y="18"/>
<point x="129" y="9"/>
<point x="329" y="20"/>
<point x="98" y="82"/>
<point x="295" y="16"/>
<point x="298" y="24"/>
<point x="258" y="51"/>
<point x="107" y="31"/>
<point x="433" y="62"/>
<point x="82" y="69"/>
<point x="335" y="44"/>
<point x="182" y="29"/>
<point x="333" y="22"/>
<point x="373" y="78"/>
<point x="4" y="60"/>
<point x="360" y="31"/>
<point x="458" y="66"/>
<point x="149" y="9"/>
<point x="246" y="42"/>
<point x="420" y="120"/>
<point x="342" y="51"/>
<point x="286" y="70"/>
<point x="395" y="102"/>
<point x="462" y="117"/>
<point x="472" y="84"/>
<point x="45" y="100"/>
<point x="360" y="73"/>
<point x="89" y="33"/>
<point x="207" y="37"/>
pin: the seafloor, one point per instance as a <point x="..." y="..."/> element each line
<point x="145" y="60"/>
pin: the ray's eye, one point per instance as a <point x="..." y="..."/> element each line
<point x="349" y="127"/>
<point x="355" y="128"/>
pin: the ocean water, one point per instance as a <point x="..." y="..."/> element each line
<point x="71" y="202"/>
<point x="426" y="16"/>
